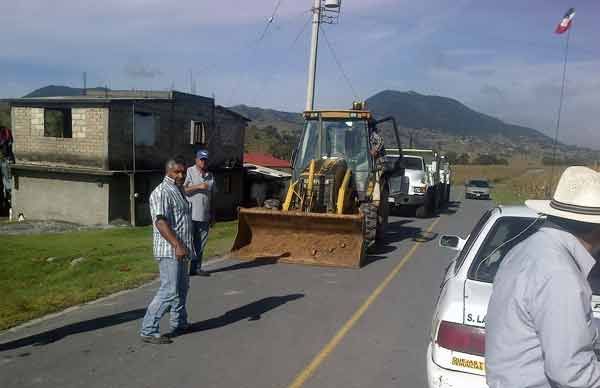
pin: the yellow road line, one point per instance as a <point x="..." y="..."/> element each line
<point x="307" y="372"/>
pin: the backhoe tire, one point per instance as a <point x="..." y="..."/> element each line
<point x="428" y="207"/>
<point x="369" y="210"/>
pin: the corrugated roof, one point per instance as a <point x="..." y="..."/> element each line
<point x="254" y="169"/>
<point x="266" y="160"/>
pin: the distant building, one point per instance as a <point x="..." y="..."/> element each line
<point x="79" y="159"/>
<point x="266" y="173"/>
<point x="267" y="160"/>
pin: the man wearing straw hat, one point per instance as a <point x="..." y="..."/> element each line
<point x="539" y="330"/>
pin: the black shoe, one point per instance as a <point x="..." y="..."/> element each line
<point x="150" y="339"/>
<point x="202" y="273"/>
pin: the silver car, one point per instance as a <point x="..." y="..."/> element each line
<point x="477" y="189"/>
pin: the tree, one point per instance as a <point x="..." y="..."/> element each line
<point x="463" y="159"/>
<point x="4" y="115"/>
<point x="452" y="157"/>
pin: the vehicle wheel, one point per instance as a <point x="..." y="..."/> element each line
<point x="369" y="210"/>
<point x="421" y="212"/>
<point x="430" y="203"/>
<point x="437" y="203"/>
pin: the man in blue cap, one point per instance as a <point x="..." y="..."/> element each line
<point x="199" y="187"/>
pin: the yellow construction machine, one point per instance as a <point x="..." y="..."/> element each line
<point x="331" y="212"/>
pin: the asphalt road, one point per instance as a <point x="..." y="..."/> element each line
<point x="267" y="325"/>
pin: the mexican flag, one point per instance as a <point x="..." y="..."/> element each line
<point x="566" y="21"/>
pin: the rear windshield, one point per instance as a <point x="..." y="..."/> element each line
<point x="413" y="163"/>
<point x="471" y="240"/>
<point x="501" y="238"/>
<point x="479" y="184"/>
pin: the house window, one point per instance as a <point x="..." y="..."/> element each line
<point x="57" y="123"/>
<point x="198" y="133"/>
<point x="227" y="184"/>
<point x="147" y="126"/>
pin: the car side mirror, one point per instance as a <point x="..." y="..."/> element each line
<point x="452" y="242"/>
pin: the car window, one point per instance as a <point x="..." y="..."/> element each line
<point x="471" y="240"/>
<point x="413" y="163"/>
<point x="482" y="184"/>
<point x="504" y="235"/>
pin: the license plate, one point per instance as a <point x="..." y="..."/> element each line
<point x="391" y="200"/>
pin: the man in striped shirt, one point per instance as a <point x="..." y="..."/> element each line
<point x="173" y="248"/>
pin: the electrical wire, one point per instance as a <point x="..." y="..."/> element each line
<point x="306" y="24"/>
<point x="255" y="48"/>
<point x="339" y="64"/>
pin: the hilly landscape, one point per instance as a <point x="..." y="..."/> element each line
<point x="429" y="122"/>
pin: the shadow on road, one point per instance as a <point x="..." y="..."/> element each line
<point x="397" y="231"/>
<point x="247" y="264"/>
<point x="252" y="312"/>
<point x="57" y="334"/>
<point x="450" y="208"/>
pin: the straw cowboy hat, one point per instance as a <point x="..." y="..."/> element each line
<point x="577" y="197"/>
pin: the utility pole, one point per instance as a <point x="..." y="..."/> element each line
<point x="312" y="66"/>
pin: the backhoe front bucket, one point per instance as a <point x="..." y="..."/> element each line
<point x="297" y="237"/>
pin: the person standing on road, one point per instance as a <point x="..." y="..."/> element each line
<point x="199" y="187"/>
<point x="539" y="330"/>
<point x="173" y="247"/>
<point x="377" y="150"/>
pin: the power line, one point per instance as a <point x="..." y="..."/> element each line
<point x="306" y="24"/>
<point x="255" y="48"/>
<point x="339" y="64"/>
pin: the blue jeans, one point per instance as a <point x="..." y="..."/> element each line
<point x="170" y="297"/>
<point x="201" y="229"/>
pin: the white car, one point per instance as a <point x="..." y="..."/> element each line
<point x="455" y="355"/>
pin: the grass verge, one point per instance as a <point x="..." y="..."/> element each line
<point x="37" y="276"/>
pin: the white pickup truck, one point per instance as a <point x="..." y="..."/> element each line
<point x="420" y="187"/>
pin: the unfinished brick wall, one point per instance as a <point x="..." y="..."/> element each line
<point x="172" y="137"/>
<point x="87" y="146"/>
<point x="231" y="130"/>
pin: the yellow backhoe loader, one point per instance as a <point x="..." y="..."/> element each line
<point x="330" y="214"/>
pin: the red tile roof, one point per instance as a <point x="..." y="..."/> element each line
<point x="266" y="160"/>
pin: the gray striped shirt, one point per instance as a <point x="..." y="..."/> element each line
<point x="168" y="201"/>
<point x="539" y="320"/>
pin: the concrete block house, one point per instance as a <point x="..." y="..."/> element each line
<point x="95" y="158"/>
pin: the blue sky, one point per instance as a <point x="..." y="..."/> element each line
<point x="501" y="58"/>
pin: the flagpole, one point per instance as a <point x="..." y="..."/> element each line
<point x="560" y="105"/>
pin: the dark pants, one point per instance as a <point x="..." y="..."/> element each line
<point x="200" y="237"/>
